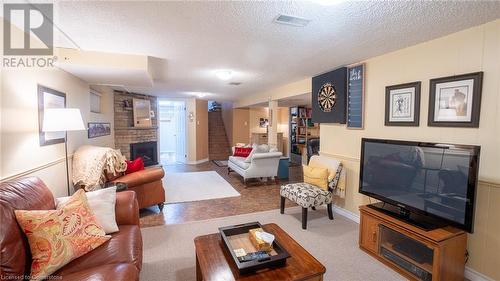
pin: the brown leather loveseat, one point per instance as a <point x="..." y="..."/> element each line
<point x="120" y="258"/>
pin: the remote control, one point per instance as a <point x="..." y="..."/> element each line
<point x="254" y="256"/>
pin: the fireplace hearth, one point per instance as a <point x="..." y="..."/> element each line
<point x="147" y="150"/>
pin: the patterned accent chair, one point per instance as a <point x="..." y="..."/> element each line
<point x="310" y="196"/>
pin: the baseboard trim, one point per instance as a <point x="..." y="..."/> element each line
<point x="197" y="161"/>
<point x="470" y="273"/>
<point x="473" y="275"/>
<point x="345" y="213"/>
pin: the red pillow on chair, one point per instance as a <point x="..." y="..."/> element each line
<point x="242" y="151"/>
<point x="135" y="165"/>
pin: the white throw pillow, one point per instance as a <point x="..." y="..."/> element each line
<point x="263" y="148"/>
<point x="102" y="202"/>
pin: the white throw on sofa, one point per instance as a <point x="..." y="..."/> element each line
<point x="261" y="163"/>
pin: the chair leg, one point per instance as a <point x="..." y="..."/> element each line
<point x="330" y="211"/>
<point x="160" y="206"/>
<point x="304" y="218"/>
<point x="282" y="205"/>
<point x="228" y="170"/>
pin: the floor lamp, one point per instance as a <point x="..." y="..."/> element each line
<point x="63" y="120"/>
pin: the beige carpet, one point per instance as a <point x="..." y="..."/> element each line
<point x="169" y="250"/>
<point x="196" y="186"/>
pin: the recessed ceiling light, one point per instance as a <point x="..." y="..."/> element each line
<point x="291" y="20"/>
<point x="234" y="83"/>
<point x="224" y="74"/>
<point x="201" y="94"/>
<point x="327" y="2"/>
<point x="198" y="94"/>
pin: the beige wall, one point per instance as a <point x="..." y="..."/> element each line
<point x="471" y="50"/>
<point x="241" y="129"/>
<point x="21" y="154"/>
<point x="255" y="114"/>
<point x="289" y="90"/>
<point x="201" y="130"/>
<point x="240" y="123"/>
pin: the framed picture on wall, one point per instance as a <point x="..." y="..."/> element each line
<point x="402" y="104"/>
<point x="97" y="129"/>
<point x="455" y="101"/>
<point x="49" y="98"/>
<point x="263" y="122"/>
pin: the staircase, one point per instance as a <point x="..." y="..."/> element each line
<point x="218" y="145"/>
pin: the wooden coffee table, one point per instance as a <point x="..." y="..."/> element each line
<point x="213" y="262"/>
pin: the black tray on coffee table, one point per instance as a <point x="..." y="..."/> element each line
<point x="238" y="235"/>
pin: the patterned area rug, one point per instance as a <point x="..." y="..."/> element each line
<point x="220" y="163"/>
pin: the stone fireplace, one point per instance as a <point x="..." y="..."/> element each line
<point x="125" y="133"/>
<point x="147" y="150"/>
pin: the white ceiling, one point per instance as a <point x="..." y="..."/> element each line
<point x="190" y="40"/>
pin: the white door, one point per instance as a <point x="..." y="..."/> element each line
<point x="172" y="116"/>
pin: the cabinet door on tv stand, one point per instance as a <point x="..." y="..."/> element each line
<point x="369" y="234"/>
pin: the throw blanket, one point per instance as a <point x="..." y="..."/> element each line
<point x="90" y="163"/>
<point x="338" y="183"/>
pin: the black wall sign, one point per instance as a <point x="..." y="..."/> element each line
<point x="329" y="97"/>
<point x="355" y="96"/>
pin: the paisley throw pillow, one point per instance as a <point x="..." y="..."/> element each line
<point x="57" y="237"/>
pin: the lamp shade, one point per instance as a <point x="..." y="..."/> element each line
<point x="62" y="119"/>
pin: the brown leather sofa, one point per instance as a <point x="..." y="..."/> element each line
<point x="120" y="258"/>
<point x="148" y="186"/>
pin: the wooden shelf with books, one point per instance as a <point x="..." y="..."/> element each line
<point x="301" y="130"/>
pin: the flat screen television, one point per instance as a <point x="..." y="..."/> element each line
<point x="428" y="184"/>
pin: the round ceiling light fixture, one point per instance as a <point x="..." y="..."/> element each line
<point x="199" y="94"/>
<point x="224" y="74"/>
<point x="327" y="2"/>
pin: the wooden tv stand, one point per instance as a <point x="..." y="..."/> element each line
<point x="415" y="253"/>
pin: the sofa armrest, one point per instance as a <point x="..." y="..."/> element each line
<point x="126" y="208"/>
<point x="142" y="177"/>
<point x="266" y="155"/>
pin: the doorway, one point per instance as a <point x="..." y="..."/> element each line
<point x="172" y="126"/>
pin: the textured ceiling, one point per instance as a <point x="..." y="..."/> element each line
<point x="190" y="40"/>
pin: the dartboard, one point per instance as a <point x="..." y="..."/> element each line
<point x="326" y="97"/>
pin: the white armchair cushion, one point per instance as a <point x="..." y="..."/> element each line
<point x="239" y="161"/>
<point x="306" y="195"/>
